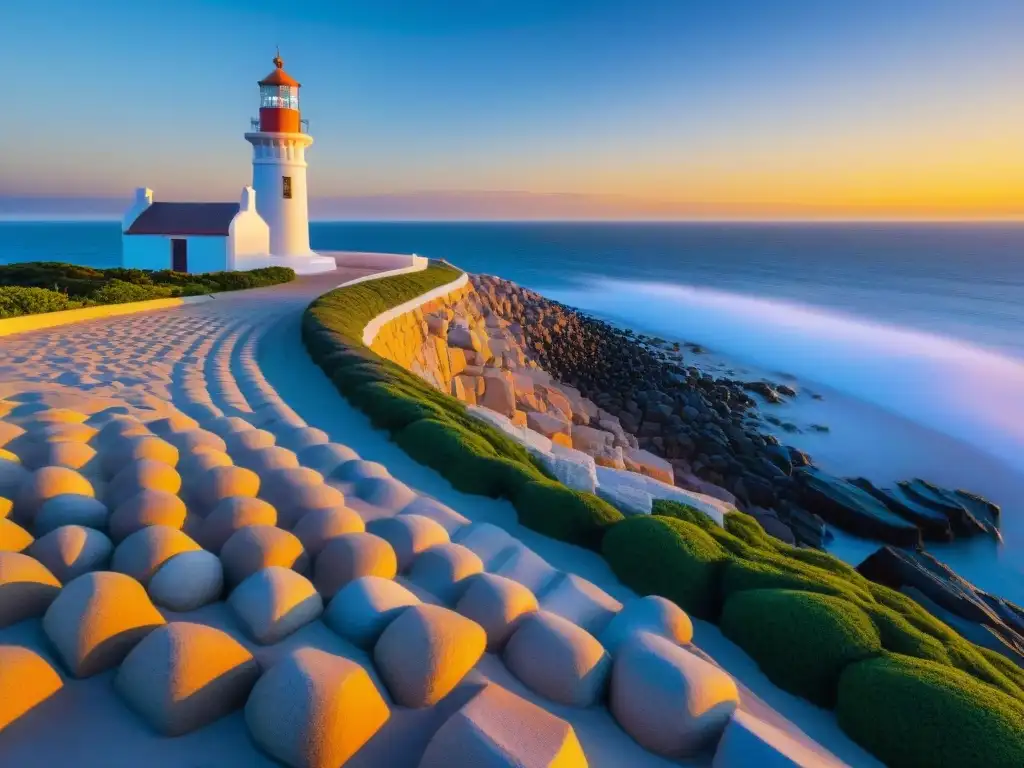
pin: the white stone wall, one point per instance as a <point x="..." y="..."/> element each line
<point x="205" y="254"/>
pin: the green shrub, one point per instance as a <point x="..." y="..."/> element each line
<point x="674" y="559"/>
<point x="352" y="377"/>
<point x="744" y="575"/>
<point x="16" y="301"/>
<point x="900" y="636"/>
<point x="683" y="512"/>
<point x="748" y="530"/>
<point x="553" y="509"/>
<point x="912" y="713"/>
<point x="121" y="292"/>
<point x="801" y="640"/>
<point x="69" y="286"/>
<point x="391" y="407"/>
<point x="453" y="452"/>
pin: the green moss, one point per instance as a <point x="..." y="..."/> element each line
<point x="916" y="714"/>
<point x="801" y="640"/>
<point x="16" y="301"/>
<point x="748" y="530"/>
<point x="565" y="514"/>
<point x="744" y="575"/>
<point x="900" y="636"/>
<point x="684" y="512"/>
<point x="672" y="558"/>
<point x="390" y="406"/>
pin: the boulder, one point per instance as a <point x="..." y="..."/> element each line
<point x="362" y="609"/>
<point x="489" y="542"/>
<point x="187" y="581"/>
<point x="425" y="652"/>
<point x="652" y="614"/>
<point x="671" y="701"/>
<point x="408" y="535"/>
<point x="580" y="602"/>
<point x="266" y="460"/>
<point x="26" y="680"/>
<point x="146" y="507"/>
<point x="44" y="484"/>
<point x="184" y="676"/>
<point x="319" y="526"/>
<point x="255" y="547"/>
<point x="498" y="729"/>
<point x="385" y="493"/>
<point x="646" y="463"/>
<point x="70" y="509"/>
<point x="443" y="570"/>
<point x="523" y="565"/>
<point x="295" y="491"/>
<point x="172" y="423"/>
<point x="196" y="441"/>
<point x="26" y="588"/>
<point x="132" y="449"/>
<point x="440" y="513"/>
<point x="13" y="538"/>
<point x="142" y="553"/>
<point x="301" y="438"/>
<point x="314" y="710"/>
<point x="326" y="457"/>
<point x="571" y="467"/>
<point x="496" y="604"/>
<point x="548" y="424"/>
<point x="141" y="475"/>
<point x="58" y="453"/>
<point x="627" y="499"/>
<point x="356" y="470"/>
<point x="499" y="392"/>
<point x="97" y="619"/>
<point x="750" y="741"/>
<point x="557" y="659"/>
<point x="224" y="482"/>
<point x="273" y="603"/>
<point x="591" y="440"/>
<point x="351" y="556"/>
<point x="248" y="440"/>
<point x="232" y="514"/>
<point x="71" y="550"/>
<point x="853" y="509"/>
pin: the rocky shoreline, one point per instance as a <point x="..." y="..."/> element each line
<point x="712" y="429"/>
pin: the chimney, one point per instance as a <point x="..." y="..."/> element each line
<point x="143" y="197"/>
<point x="248" y="202"/>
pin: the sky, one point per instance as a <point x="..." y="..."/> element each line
<point x="480" y="109"/>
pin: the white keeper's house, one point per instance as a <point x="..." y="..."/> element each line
<point x="269" y="226"/>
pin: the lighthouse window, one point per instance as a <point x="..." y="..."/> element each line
<point x="286" y="185"/>
<point x="279" y="96"/>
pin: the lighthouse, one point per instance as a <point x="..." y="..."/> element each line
<point x="279" y="172"/>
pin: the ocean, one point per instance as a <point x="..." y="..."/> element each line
<point x="914" y="332"/>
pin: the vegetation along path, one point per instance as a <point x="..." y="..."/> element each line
<point x="268" y="522"/>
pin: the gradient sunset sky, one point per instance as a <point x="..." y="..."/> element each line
<point x="537" y="108"/>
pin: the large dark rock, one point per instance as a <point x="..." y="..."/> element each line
<point x="934" y="525"/>
<point x="947" y="595"/>
<point x="954" y="506"/>
<point x="852" y="509"/>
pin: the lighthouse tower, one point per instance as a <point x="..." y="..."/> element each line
<point x="279" y="173"/>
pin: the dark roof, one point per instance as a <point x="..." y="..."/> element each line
<point x="184" y="219"/>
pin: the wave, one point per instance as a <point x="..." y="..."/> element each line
<point x="967" y="392"/>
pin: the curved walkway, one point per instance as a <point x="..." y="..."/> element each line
<point x="237" y="363"/>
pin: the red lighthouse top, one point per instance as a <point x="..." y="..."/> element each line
<point x="279" y="101"/>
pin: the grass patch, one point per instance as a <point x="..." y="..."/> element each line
<point x="39" y="287"/>
<point x="802" y="640"/>
<point x="912" y="713"/>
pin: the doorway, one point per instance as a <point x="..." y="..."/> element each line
<point x="179" y="255"/>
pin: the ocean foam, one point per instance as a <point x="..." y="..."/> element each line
<point x="967" y="392"/>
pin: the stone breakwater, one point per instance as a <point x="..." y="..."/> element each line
<point x="587" y="386"/>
